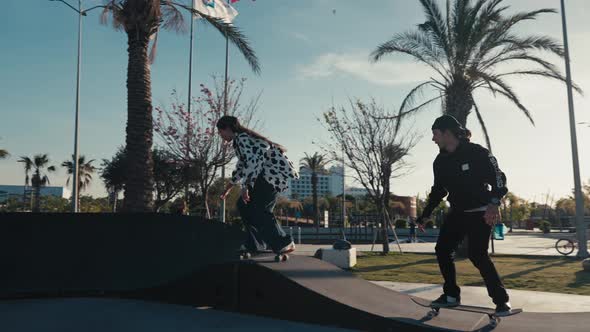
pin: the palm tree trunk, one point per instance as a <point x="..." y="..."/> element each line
<point x="114" y="195"/>
<point x="384" y="225"/>
<point x="37" y="195"/>
<point x="314" y="189"/>
<point x="459" y="100"/>
<point x="205" y="195"/>
<point x="139" y="185"/>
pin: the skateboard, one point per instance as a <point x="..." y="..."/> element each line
<point x="491" y="313"/>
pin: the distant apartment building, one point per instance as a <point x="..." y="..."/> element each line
<point x="329" y="183"/>
<point x="16" y="191"/>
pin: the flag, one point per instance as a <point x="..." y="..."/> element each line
<point x="216" y="8"/>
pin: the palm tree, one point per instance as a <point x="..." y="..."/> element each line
<point x="85" y="171"/>
<point x="114" y="176"/>
<point x="316" y="164"/>
<point x="465" y="49"/>
<point x="28" y="165"/>
<point x="37" y="164"/>
<point x="4" y="154"/>
<point x="141" y="20"/>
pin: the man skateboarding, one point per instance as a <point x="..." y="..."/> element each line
<point x="470" y="175"/>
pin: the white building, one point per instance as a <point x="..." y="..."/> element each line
<point x="356" y="192"/>
<point x="16" y="191"/>
<point x="329" y="183"/>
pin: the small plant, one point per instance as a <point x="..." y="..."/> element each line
<point x="401" y="223"/>
<point x="545" y="226"/>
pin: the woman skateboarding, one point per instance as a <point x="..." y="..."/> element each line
<point x="263" y="171"/>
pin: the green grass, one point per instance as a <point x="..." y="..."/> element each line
<point x="547" y="274"/>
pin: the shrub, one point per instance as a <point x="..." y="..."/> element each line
<point x="545" y="226"/>
<point x="401" y="223"/>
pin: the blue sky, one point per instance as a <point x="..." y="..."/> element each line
<point x="309" y="57"/>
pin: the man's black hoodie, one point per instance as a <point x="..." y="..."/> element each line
<point x="471" y="177"/>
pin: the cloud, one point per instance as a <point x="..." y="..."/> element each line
<point x="300" y="36"/>
<point x="357" y="65"/>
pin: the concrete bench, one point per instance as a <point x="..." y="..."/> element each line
<point x="344" y="259"/>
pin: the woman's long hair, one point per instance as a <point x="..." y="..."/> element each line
<point x="231" y="122"/>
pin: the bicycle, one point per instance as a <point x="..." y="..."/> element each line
<point x="566" y="246"/>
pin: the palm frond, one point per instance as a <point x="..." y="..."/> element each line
<point x="507" y="23"/>
<point x="435" y="25"/>
<point x="505" y="90"/>
<point x="519" y="56"/>
<point x="45" y="180"/>
<point x="483" y="126"/>
<point x="482" y="29"/>
<point x="540" y="43"/>
<point x="400" y="44"/>
<point x="112" y="8"/>
<point x="40" y="160"/>
<point x="402" y="114"/>
<point x="458" y="19"/>
<point x="474" y="29"/>
<point x="410" y="98"/>
<point x="544" y="73"/>
<point x="235" y="36"/>
<point x="172" y="18"/>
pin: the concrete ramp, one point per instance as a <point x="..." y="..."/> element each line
<point x="181" y="260"/>
<point x="63" y="254"/>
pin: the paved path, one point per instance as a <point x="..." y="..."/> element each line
<point x="102" y="315"/>
<point x="513" y="244"/>
<point x="530" y="301"/>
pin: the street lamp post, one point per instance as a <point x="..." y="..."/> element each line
<point x="75" y="171"/>
<point x="580" y="226"/>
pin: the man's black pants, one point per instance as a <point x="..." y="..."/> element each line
<point x="456" y="227"/>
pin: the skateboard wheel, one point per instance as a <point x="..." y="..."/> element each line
<point x="281" y="258"/>
<point x="494" y="322"/>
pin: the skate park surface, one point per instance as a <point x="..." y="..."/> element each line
<point x="165" y="267"/>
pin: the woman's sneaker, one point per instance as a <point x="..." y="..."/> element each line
<point x="288" y="248"/>
<point x="447" y="301"/>
<point x="503" y="309"/>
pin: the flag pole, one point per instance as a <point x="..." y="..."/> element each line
<point x="188" y="120"/>
<point x="224" y="113"/>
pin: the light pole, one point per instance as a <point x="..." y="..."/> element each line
<point x="75" y="182"/>
<point x="343" y="197"/>
<point x="580" y="226"/>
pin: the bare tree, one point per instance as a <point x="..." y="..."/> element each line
<point x="374" y="148"/>
<point x="191" y="137"/>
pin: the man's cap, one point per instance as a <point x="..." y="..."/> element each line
<point x="446" y="122"/>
